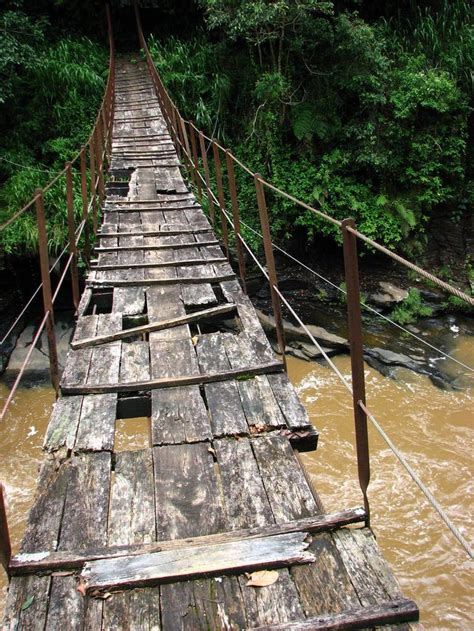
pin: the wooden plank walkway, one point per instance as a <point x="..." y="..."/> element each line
<point x="164" y="537"/>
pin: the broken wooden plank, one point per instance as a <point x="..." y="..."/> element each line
<point x="158" y="281"/>
<point x="155" y="326"/>
<point x="166" y="566"/>
<point x="62" y="427"/>
<point x="128" y="266"/>
<point x="45" y="560"/>
<point x="96" y="427"/>
<point x="128" y="300"/>
<point x="390" y="612"/>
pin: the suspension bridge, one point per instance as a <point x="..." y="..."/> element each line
<point x="215" y="524"/>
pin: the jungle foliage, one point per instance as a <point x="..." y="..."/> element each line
<point x="51" y="85"/>
<point x="360" y="107"/>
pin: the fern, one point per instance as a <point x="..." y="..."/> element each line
<point x="303" y="122"/>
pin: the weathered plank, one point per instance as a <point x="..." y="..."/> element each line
<point x="132" y="506"/>
<point x="391" y="612"/>
<point x="46" y="561"/>
<point x="84" y="520"/>
<point x="134" y="362"/>
<point x="128" y="300"/>
<point x="188" y="502"/>
<point x="96" y="427"/>
<point x="289" y="494"/>
<point x="27" y="603"/>
<point x="223" y="399"/>
<point x="62" y="427"/>
<point x="135" y="609"/>
<point x="76" y="369"/>
<point x="268" y="552"/>
<point x="245" y="500"/>
<point x="156" y="326"/>
<point x="179" y="415"/>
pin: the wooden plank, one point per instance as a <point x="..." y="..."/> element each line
<point x="236" y="556"/>
<point x="84" y="522"/>
<point x="246" y="502"/>
<point x="157" y="264"/>
<point x="391" y="612"/>
<point x="67" y="607"/>
<point x="273" y="604"/>
<point x="223" y="399"/>
<point x="128" y="300"/>
<point x="134" y="362"/>
<point x="173" y="382"/>
<point x="135" y="609"/>
<point x="188" y="502"/>
<point x="105" y="361"/>
<point x="76" y="369"/>
<point x="156" y="326"/>
<point x="164" y="246"/>
<point x="132" y="506"/>
<point x="260" y="406"/>
<point x="27" y="603"/>
<point x="108" y="282"/>
<point x="328" y="578"/>
<point x="47" y="561"/>
<point x="62" y="427"/>
<point x="289" y="494"/>
<point x="97" y="423"/>
<point x="44" y="520"/>
<point x="179" y="415"/>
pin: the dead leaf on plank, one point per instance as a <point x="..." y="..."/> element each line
<point x="263" y="578"/>
<point x="195" y="340"/>
<point x="81" y="587"/>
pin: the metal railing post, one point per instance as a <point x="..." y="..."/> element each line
<point x="93" y="183"/>
<point x="85" y="205"/>
<point x="187" y="149"/>
<point x="72" y="235"/>
<point x="192" y="133"/>
<point x="354" y="319"/>
<point x="220" y="197"/>
<point x="100" y="162"/>
<point x="270" y="260"/>
<point x="46" y="284"/>
<point x="202" y="145"/>
<point x="236" y="217"/>
<point x="5" y="544"/>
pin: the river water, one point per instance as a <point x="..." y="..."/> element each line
<point x="434" y="428"/>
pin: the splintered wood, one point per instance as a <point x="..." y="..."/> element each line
<point x="212" y="526"/>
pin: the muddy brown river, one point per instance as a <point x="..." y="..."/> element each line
<point x="434" y="429"/>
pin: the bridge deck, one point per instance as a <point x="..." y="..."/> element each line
<point x="220" y="486"/>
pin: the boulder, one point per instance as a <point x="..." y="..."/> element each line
<point x="297" y="333"/>
<point x="389" y="296"/>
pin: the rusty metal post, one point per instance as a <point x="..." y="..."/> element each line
<point x="85" y="204"/>
<point x="46" y="285"/>
<point x="100" y="163"/>
<point x="270" y="260"/>
<point x="175" y="136"/>
<point x="202" y="145"/>
<point x="187" y="149"/>
<point x="93" y="183"/>
<point x="72" y="235"/>
<point x="354" y="319"/>
<point x="220" y="196"/>
<point x="5" y="544"/>
<point x="192" y="133"/>
<point x="236" y="216"/>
